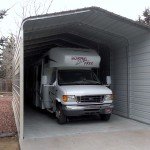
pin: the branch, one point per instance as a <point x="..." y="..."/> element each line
<point x="49" y="6"/>
<point x="2" y="13"/>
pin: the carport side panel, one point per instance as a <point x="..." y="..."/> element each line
<point x="119" y="76"/>
<point x="21" y="136"/>
<point x="140" y="79"/>
<point x="16" y="87"/>
<point x="17" y="102"/>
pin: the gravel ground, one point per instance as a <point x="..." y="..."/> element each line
<point x="8" y="131"/>
<point x="7" y="121"/>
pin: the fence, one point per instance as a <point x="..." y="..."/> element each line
<point x="5" y="85"/>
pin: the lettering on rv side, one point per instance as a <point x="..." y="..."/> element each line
<point x="81" y="60"/>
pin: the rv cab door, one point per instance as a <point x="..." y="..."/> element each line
<point x="52" y="89"/>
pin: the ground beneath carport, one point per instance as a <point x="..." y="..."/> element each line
<point x="42" y="132"/>
<point x="118" y="140"/>
<point x="9" y="143"/>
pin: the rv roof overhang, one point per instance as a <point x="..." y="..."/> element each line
<point x="84" y="28"/>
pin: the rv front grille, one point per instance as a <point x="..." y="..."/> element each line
<point x="93" y="99"/>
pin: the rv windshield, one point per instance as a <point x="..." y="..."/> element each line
<point x="77" y="77"/>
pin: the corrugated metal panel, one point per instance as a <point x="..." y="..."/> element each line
<point x="113" y="26"/>
<point x="94" y="18"/>
<point x="119" y="80"/>
<point x="16" y="94"/>
<point x="17" y="83"/>
<point x="16" y="108"/>
<point x="140" y="79"/>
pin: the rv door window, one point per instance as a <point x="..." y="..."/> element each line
<point x="39" y="74"/>
<point x="46" y="59"/>
<point x="53" y="79"/>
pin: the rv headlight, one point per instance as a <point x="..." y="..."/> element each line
<point x="108" y="97"/>
<point x="69" y="98"/>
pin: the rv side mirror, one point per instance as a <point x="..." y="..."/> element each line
<point x="108" y="80"/>
<point x="44" y="80"/>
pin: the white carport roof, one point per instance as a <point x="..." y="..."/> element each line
<point x="87" y="27"/>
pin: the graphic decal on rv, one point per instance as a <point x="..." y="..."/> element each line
<point x="82" y="60"/>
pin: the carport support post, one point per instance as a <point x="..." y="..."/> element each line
<point x="128" y="79"/>
<point x="21" y="87"/>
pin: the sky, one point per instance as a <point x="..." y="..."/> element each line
<point x="10" y="24"/>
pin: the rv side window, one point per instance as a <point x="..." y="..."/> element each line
<point x="53" y="79"/>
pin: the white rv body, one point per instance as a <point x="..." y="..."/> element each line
<point x="72" y="97"/>
<point x="73" y="57"/>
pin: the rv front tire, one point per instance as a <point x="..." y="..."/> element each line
<point x="61" y="118"/>
<point x="105" y="117"/>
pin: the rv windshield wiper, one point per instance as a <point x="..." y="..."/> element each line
<point x="82" y="82"/>
<point x="91" y="81"/>
<point x="87" y="82"/>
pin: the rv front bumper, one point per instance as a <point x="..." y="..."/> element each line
<point x="78" y="110"/>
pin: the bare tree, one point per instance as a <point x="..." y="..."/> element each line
<point x="2" y="13"/>
<point x="7" y="45"/>
<point x="2" y="44"/>
<point x="6" y="58"/>
<point x="34" y="8"/>
<point x="2" y="39"/>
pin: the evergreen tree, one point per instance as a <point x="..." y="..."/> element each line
<point x="6" y="52"/>
<point x="145" y="18"/>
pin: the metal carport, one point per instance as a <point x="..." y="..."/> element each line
<point x="127" y="41"/>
